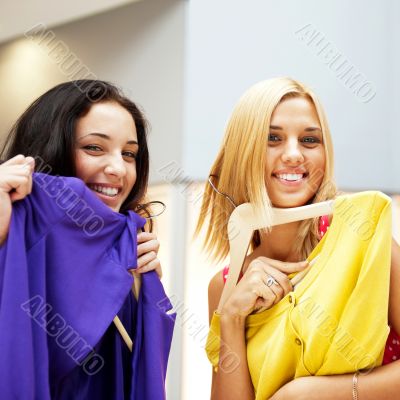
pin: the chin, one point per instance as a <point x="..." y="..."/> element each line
<point x="289" y="202"/>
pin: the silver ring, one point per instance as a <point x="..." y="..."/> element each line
<point x="271" y="281"/>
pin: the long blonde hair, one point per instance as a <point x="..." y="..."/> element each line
<point x="239" y="169"/>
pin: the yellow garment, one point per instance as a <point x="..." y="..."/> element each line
<point x="335" y="321"/>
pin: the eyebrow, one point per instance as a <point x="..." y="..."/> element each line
<point x="309" y="129"/>
<point x="104" y="136"/>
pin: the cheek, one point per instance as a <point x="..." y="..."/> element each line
<point x="317" y="171"/>
<point x="319" y="162"/>
<point x="270" y="162"/>
<point x="132" y="176"/>
<point x="83" y="166"/>
<point x="315" y="157"/>
<point x="79" y="165"/>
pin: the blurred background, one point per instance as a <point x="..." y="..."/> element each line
<point x="186" y="62"/>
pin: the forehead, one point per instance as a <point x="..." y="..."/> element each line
<point x="109" y="118"/>
<point x="299" y="110"/>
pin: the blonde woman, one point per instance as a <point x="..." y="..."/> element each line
<point x="277" y="152"/>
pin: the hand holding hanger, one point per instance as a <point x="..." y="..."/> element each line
<point x="244" y="220"/>
<point x="264" y="284"/>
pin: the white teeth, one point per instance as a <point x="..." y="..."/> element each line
<point x="105" y="190"/>
<point x="290" y="177"/>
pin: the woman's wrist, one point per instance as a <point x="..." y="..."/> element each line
<point x="230" y="315"/>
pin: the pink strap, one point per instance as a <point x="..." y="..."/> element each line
<point x="323" y="225"/>
<point x="225" y="273"/>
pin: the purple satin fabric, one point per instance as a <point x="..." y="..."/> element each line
<point x="63" y="278"/>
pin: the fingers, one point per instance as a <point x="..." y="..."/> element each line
<point x="276" y="282"/>
<point x="149" y="262"/>
<point x="30" y="161"/>
<point x="265" y="283"/>
<point x="286" y="267"/>
<point x="150" y="266"/>
<point x="265" y="296"/>
<point x="268" y="268"/>
<point x="145" y="236"/>
<point x="16" y="176"/>
<point x="147" y="251"/>
<point x="261" y="280"/>
<point x="20" y="183"/>
<point x="19" y="159"/>
<point x="147" y="247"/>
<point x="284" y="286"/>
<point x="22" y="191"/>
<point x="146" y="258"/>
<point x="147" y="242"/>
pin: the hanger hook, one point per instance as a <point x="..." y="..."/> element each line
<point x="217" y="191"/>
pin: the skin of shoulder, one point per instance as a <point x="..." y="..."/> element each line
<point x="215" y="288"/>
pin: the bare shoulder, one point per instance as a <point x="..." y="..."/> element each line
<point x="215" y="288"/>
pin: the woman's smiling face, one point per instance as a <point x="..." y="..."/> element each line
<point x="295" y="157"/>
<point x="106" y="146"/>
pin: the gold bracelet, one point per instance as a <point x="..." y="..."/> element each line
<point x="355" y="389"/>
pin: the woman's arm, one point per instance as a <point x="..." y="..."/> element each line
<point x="382" y="383"/>
<point x="235" y="381"/>
<point x="232" y="380"/>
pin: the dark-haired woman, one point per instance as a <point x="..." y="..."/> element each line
<point x="89" y="130"/>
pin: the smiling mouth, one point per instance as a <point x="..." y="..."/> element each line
<point x="106" y="191"/>
<point x="291" y="177"/>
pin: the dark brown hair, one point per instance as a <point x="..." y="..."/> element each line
<point x="46" y="130"/>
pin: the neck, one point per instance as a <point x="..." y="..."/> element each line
<point x="278" y="243"/>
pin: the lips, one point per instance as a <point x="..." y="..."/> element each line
<point x="105" y="189"/>
<point x="291" y="173"/>
<point x="290" y="179"/>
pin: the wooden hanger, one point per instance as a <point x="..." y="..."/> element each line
<point x="117" y="322"/>
<point x="137" y="278"/>
<point x="244" y="220"/>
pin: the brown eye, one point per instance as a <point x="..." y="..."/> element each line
<point x="92" y="147"/>
<point x="129" y="154"/>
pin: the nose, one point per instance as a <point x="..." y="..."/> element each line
<point x="292" y="152"/>
<point x="115" y="166"/>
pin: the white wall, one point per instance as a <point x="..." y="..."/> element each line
<point x="233" y="44"/>
<point x="187" y="63"/>
<point x="139" y="47"/>
<point x="394" y="65"/>
<point x="17" y="15"/>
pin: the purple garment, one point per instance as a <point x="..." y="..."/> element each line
<point x="63" y="278"/>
